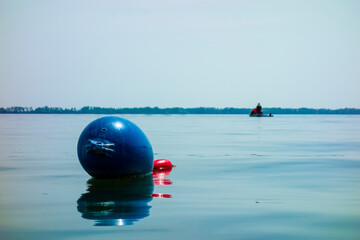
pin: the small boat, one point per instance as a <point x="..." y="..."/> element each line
<point x="257" y="112"/>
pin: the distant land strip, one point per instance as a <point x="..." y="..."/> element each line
<point x="175" y="110"/>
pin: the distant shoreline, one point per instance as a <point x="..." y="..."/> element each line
<point x="176" y="110"/>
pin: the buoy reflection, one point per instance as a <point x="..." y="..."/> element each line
<point x="122" y="201"/>
<point x="161" y="195"/>
<point x="111" y="202"/>
<point x="160" y="177"/>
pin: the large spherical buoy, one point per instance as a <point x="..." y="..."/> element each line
<point x="114" y="147"/>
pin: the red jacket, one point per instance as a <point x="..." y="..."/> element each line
<point x="256" y="111"/>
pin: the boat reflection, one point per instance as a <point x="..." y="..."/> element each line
<point x="112" y="202"/>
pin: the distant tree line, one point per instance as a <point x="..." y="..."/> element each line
<point x="175" y="110"/>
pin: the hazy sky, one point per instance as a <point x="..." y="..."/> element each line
<point x="185" y="53"/>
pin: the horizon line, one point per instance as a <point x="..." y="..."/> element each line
<point x="87" y="106"/>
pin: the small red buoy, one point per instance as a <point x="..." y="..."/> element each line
<point x="162" y="164"/>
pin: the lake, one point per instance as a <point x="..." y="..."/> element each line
<point x="236" y="177"/>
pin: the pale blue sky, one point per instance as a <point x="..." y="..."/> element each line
<point x="185" y="53"/>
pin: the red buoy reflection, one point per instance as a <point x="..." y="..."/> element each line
<point x="161" y="195"/>
<point x="161" y="171"/>
<point x="160" y="177"/>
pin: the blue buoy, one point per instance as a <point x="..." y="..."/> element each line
<point x="114" y="147"/>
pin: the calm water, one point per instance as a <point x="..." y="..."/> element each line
<point x="287" y="177"/>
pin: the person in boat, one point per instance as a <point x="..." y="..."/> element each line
<point x="257" y="111"/>
<point x="258" y="108"/>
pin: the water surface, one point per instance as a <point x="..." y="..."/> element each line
<point x="287" y="177"/>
